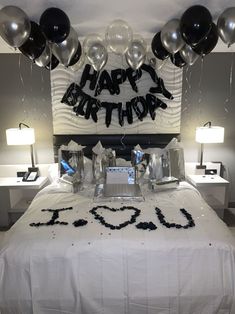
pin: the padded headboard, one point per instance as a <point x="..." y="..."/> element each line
<point x="122" y="144"/>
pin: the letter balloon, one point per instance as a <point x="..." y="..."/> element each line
<point x="118" y="36"/>
<point x="14" y="26"/>
<point x="55" y="25"/>
<point x="195" y="24"/>
<point x="226" y="26"/>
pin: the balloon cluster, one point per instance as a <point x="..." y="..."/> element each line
<point x="120" y="40"/>
<point x="48" y="43"/>
<point x="54" y="40"/>
<point x="194" y="35"/>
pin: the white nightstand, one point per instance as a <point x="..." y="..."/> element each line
<point x="16" y="197"/>
<point x="213" y="189"/>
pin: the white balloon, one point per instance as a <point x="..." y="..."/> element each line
<point x="90" y="40"/>
<point x="97" y="55"/>
<point x="136" y="54"/>
<point x="118" y="36"/>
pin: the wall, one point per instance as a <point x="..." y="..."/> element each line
<point x="25" y="97"/>
<point x="209" y="95"/>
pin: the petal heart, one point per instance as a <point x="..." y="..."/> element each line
<point x="99" y="216"/>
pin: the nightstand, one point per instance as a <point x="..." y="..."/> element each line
<point x="214" y="189"/>
<point x="16" y="197"/>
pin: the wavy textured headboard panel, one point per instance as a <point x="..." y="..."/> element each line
<point x="121" y="144"/>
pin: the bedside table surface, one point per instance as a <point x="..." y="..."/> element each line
<point x="16" y="182"/>
<point x="200" y="180"/>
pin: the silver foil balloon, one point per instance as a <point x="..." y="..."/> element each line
<point x="171" y="37"/>
<point x="14" y="26"/>
<point x="65" y="51"/>
<point x="226" y="26"/>
<point x="97" y="55"/>
<point x="118" y="36"/>
<point x="45" y="57"/>
<point x="188" y="54"/>
<point x="136" y="54"/>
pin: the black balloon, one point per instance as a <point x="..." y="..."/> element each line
<point x="177" y="60"/>
<point x="195" y="24"/>
<point x="208" y="43"/>
<point x="35" y="44"/>
<point x="53" y="64"/>
<point x="157" y="48"/>
<point x="55" y="25"/>
<point x="77" y="55"/>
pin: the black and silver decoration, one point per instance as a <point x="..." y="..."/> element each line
<point x="167" y="224"/>
<point x="101" y="219"/>
<point x="88" y="106"/>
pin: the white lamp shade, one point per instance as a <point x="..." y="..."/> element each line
<point x="24" y="136"/>
<point x="213" y="134"/>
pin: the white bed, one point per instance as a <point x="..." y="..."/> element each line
<point x="92" y="269"/>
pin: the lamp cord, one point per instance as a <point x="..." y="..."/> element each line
<point x="20" y="124"/>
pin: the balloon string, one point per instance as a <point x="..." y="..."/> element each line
<point x="23" y="89"/>
<point x="227" y="100"/>
<point x="199" y="87"/>
<point x="124" y="128"/>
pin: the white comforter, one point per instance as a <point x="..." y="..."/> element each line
<point x="95" y="270"/>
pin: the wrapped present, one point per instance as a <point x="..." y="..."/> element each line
<point x="71" y="165"/>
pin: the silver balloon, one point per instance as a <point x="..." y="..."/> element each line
<point x="226" y="26"/>
<point x="188" y="55"/>
<point x="44" y="58"/>
<point x="65" y="50"/>
<point x="136" y="54"/>
<point x="118" y="36"/>
<point x="154" y="62"/>
<point x="171" y="37"/>
<point x="14" y="26"/>
<point x="78" y="64"/>
<point x="97" y="55"/>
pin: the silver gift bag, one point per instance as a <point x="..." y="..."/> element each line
<point x="155" y="167"/>
<point x="72" y="168"/>
<point x="176" y="163"/>
<point x="100" y="162"/>
<point x="140" y="161"/>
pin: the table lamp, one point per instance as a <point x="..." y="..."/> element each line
<point x="22" y="136"/>
<point x="208" y="134"/>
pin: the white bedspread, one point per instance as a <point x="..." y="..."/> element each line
<point x="95" y="270"/>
